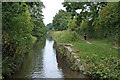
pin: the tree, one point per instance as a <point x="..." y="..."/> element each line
<point x="108" y="21"/>
<point x="39" y="29"/>
<point x="61" y="20"/>
<point x="49" y="26"/>
<point x="17" y="33"/>
<point x="89" y="10"/>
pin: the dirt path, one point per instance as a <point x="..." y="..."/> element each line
<point x="91" y="43"/>
<point x="116" y="47"/>
<point x="87" y="41"/>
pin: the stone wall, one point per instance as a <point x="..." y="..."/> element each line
<point x="65" y="52"/>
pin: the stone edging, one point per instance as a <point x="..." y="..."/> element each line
<point x="66" y="51"/>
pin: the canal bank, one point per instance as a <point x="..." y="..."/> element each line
<point x="98" y="60"/>
<point x="43" y="62"/>
<point x="66" y="52"/>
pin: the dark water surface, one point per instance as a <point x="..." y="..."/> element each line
<point x="42" y="63"/>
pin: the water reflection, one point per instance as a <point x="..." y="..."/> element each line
<point x="49" y="61"/>
<point x="49" y="38"/>
<point x="42" y="63"/>
<point x="32" y="62"/>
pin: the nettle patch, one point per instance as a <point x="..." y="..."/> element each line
<point x="105" y="67"/>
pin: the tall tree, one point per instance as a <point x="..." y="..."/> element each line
<point x="108" y="21"/>
<point x="61" y="20"/>
<point x="49" y="26"/>
<point x="19" y="21"/>
<point x="37" y="19"/>
<point x="89" y="10"/>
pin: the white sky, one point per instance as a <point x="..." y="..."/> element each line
<point x="51" y="8"/>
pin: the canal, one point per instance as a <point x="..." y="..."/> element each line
<point x="42" y="62"/>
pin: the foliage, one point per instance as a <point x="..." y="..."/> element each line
<point x="101" y="67"/>
<point x="17" y="34"/>
<point x="88" y="9"/>
<point x="39" y="29"/>
<point x="61" y="20"/>
<point x="64" y="36"/>
<point x="49" y="26"/>
<point x="37" y="19"/>
<point x="106" y="25"/>
<point x="72" y="25"/>
<point x="98" y="19"/>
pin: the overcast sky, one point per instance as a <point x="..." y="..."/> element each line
<point x="51" y="8"/>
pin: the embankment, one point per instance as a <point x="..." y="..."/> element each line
<point x="98" y="60"/>
<point x="66" y="52"/>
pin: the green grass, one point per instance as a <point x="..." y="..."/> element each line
<point x="100" y="50"/>
<point x="100" y="47"/>
<point x="99" y="58"/>
<point x="101" y="42"/>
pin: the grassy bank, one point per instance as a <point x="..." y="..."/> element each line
<point x="99" y="57"/>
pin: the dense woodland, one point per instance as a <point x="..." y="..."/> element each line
<point x="22" y="26"/>
<point x="98" y="19"/>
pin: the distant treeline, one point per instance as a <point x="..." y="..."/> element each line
<point x="98" y="19"/>
<point x="22" y="25"/>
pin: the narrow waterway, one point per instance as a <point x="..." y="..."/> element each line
<point x="42" y="62"/>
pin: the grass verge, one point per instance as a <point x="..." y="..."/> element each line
<point x="99" y="58"/>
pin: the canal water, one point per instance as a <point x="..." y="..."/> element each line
<point x="43" y="63"/>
